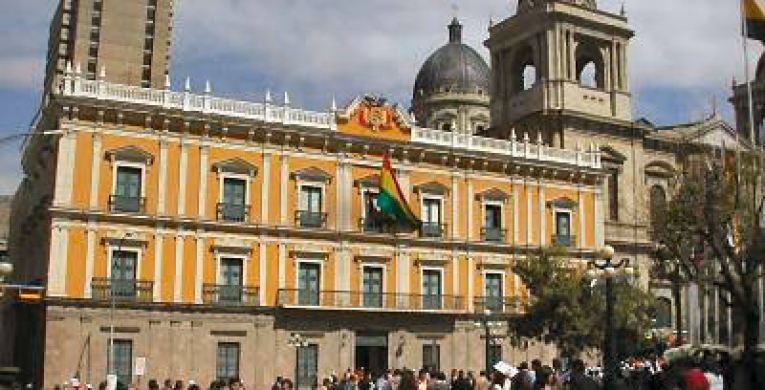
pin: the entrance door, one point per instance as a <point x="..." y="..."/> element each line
<point x="431" y="289"/>
<point x="372" y="352"/>
<point x="123" y="273"/>
<point x="308" y="284"/>
<point x="231" y="280"/>
<point x="373" y="286"/>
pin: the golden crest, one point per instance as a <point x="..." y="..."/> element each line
<point x="377" y="117"/>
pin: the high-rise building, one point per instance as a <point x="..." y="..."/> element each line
<point x="128" y="40"/>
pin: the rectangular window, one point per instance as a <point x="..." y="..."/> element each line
<point x="431" y="356"/>
<point x="494" y="298"/>
<point x="613" y="195"/>
<point x="431" y="217"/>
<point x="373" y="286"/>
<point x="493" y="223"/>
<point x="372" y="219"/>
<point x="309" y="277"/>
<point x="308" y="364"/>
<point x="431" y="289"/>
<point x="228" y="361"/>
<point x="233" y="206"/>
<point x="123" y="274"/>
<point x="230" y="289"/>
<point x="123" y="360"/>
<point x="310" y="210"/>
<point x="127" y="190"/>
<point x="563" y="229"/>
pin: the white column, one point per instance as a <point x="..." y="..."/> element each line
<point x="95" y="171"/>
<point x="542" y="215"/>
<point x="456" y="206"/>
<point x="162" y="187"/>
<point x="65" y="169"/>
<point x="348" y="197"/>
<point x="282" y="265"/>
<point x="178" y="279"/>
<point x="456" y="275"/>
<point x="199" y="272"/>
<point x="203" y="168"/>
<point x="158" y="246"/>
<point x="263" y="265"/>
<point x="469" y="203"/>
<point x="183" y="169"/>
<point x="529" y="212"/>
<point x="693" y="313"/>
<point x="471" y="282"/>
<point x="582" y="219"/>
<point x="516" y="214"/>
<point x="343" y="209"/>
<point x="403" y="272"/>
<point x="264" y="189"/>
<point x="58" y="261"/>
<point x="283" y="180"/>
<point x="90" y="258"/>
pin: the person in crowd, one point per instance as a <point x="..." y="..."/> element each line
<point x="578" y="380"/>
<point x="482" y="382"/>
<point x="461" y="382"/>
<point x="277" y="383"/>
<point x="383" y="382"/>
<point x="178" y="385"/>
<point x="498" y="380"/>
<point x="168" y="385"/>
<point x="153" y="384"/>
<point x="523" y="379"/>
<point x="471" y="379"/>
<point x="536" y="368"/>
<point x="365" y="382"/>
<point x="714" y="375"/>
<point x="193" y="385"/>
<point x="408" y="381"/>
<point x="438" y="382"/>
<point x="423" y="379"/>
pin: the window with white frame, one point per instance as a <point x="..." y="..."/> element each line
<point x="432" y="289"/>
<point x="123" y="360"/>
<point x="129" y="165"/>
<point x="432" y="208"/>
<point x="311" y="203"/>
<point x="122" y="273"/>
<point x="372" y="285"/>
<point x="372" y="218"/>
<point x="493" y="291"/>
<point x="227" y="366"/>
<point x="233" y="206"/>
<point x="493" y="224"/>
<point x="563" y="234"/>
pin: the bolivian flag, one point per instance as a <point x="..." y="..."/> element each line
<point x="754" y="17"/>
<point x="391" y="200"/>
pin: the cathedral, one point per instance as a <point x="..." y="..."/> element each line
<point x="184" y="235"/>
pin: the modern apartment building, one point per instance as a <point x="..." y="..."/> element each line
<point x="129" y="40"/>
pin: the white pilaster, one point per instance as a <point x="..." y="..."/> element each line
<point x="204" y="151"/>
<point x="284" y="171"/>
<point x="58" y="261"/>
<point x="403" y="264"/>
<point x="582" y="219"/>
<point x="455" y="205"/>
<point x="529" y="212"/>
<point x="263" y="265"/>
<point x="90" y="258"/>
<point x="516" y="214"/>
<point x="470" y="196"/>
<point x="456" y="276"/>
<point x="542" y="216"/>
<point x="471" y="282"/>
<point x="95" y="171"/>
<point x="343" y="269"/>
<point x="65" y="169"/>
<point x="341" y="207"/>
<point x="264" y="192"/>
<point x="183" y="169"/>
<point x="162" y="187"/>
<point x="178" y="279"/>
<point x="198" y="272"/>
<point x="282" y="265"/>
<point x="158" y="246"/>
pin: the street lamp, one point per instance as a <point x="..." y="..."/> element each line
<point x="605" y="265"/>
<point x="112" y="304"/>
<point x="297" y="341"/>
<point x="487" y="326"/>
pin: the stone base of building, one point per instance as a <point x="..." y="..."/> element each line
<point x="184" y="343"/>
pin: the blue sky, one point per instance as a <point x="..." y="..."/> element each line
<point x="684" y="55"/>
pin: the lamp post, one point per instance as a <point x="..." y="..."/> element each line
<point x="297" y="341"/>
<point x="604" y="264"/>
<point x="487" y="325"/>
<point x="112" y="304"/>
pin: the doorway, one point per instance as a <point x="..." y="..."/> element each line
<point x="372" y="352"/>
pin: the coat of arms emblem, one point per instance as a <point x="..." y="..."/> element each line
<point x="376" y="114"/>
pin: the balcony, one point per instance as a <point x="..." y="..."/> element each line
<point x="311" y="219"/>
<point x="122" y="289"/>
<point x="370" y="301"/>
<point x="564" y="240"/>
<point x="127" y="204"/>
<point x="372" y="225"/>
<point x="231" y="212"/>
<point x="432" y="230"/>
<point x="229" y="295"/>
<point x="493" y="234"/>
<point x="497" y="305"/>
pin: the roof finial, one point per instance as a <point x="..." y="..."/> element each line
<point x="455" y="31"/>
<point x="623" y="11"/>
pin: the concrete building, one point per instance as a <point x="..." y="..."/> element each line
<point x="130" y="39"/>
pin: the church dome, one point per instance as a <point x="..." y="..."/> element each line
<point x="455" y="67"/>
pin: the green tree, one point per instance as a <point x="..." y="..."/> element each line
<point x="567" y="308"/>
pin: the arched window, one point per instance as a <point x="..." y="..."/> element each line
<point x="658" y="199"/>
<point x="588" y="75"/>
<point x="446" y="126"/>
<point x="529" y="76"/>
<point x="663" y="317"/>
<point x="590" y="66"/>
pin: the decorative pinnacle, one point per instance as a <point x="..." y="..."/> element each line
<point x="268" y="96"/>
<point x="167" y="82"/>
<point x="187" y="85"/>
<point x="455" y="31"/>
<point x="539" y="138"/>
<point x="334" y="104"/>
<point x="78" y="69"/>
<point x="208" y="87"/>
<point x="102" y="75"/>
<point x="286" y="98"/>
<point x="512" y="134"/>
<point x="69" y="67"/>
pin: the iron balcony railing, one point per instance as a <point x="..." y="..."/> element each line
<point x="370" y="301"/>
<point x="497" y="305"/>
<point x="564" y="240"/>
<point x="373" y="225"/>
<point x="229" y="295"/>
<point x="493" y="234"/>
<point x="432" y="229"/>
<point x="122" y="289"/>
<point x="127" y="204"/>
<point x="231" y="212"/>
<point x="311" y="219"/>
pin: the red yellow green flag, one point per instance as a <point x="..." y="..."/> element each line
<point x="754" y="17"/>
<point x="391" y="200"/>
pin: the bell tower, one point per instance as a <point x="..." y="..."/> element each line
<point x="558" y="58"/>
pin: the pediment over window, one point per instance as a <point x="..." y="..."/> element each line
<point x="312" y="174"/>
<point x="130" y="153"/>
<point x="612" y="155"/>
<point x="431" y="187"/>
<point x="563" y="203"/>
<point x="660" y="169"/>
<point x="235" y="165"/>
<point x="494" y="194"/>
<point x="368" y="181"/>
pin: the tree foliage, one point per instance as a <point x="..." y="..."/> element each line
<point x="567" y="308"/>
